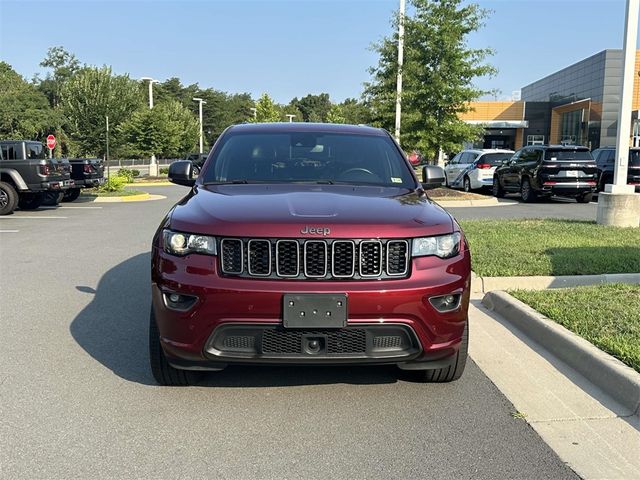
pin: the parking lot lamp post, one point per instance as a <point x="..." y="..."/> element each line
<point x="400" y="60"/>
<point x="200" y="103"/>
<point x="107" y="119"/>
<point x="618" y="205"/>
<point x="254" y="111"/>
<point x="153" y="169"/>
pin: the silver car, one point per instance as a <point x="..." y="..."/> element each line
<point x="473" y="169"/>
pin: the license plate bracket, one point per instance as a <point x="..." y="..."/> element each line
<point x="314" y="310"/>
<point x="570" y="173"/>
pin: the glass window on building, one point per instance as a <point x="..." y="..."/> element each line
<point x="535" y="139"/>
<point x="572" y="129"/>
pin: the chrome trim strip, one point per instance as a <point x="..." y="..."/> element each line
<point x="406" y="258"/>
<point x="297" y="259"/>
<point x="326" y="260"/>
<point x="249" y="257"/>
<point x="360" y="257"/>
<point x="241" y="256"/>
<point x="353" y="258"/>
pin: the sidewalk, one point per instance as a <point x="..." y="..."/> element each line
<point x="596" y="436"/>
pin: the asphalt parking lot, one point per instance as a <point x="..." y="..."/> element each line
<point x="77" y="399"/>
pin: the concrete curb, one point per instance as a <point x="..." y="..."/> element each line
<point x="130" y="198"/>
<point x="606" y="372"/>
<point x="488" y="284"/>
<point x="150" y="184"/>
<point x="491" y="202"/>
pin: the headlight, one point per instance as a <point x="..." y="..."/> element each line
<point x="178" y="243"/>
<point x="443" y="246"/>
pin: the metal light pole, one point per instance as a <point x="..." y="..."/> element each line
<point x="153" y="168"/>
<point x="151" y="82"/>
<point x="255" y="112"/>
<point x="200" y="102"/>
<point x="400" y="61"/>
<point x="107" y="118"/>
<point x="290" y="117"/>
<point x="618" y="205"/>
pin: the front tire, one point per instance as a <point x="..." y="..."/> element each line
<point x="466" y="184"/>
<point x="526" y="192"/>
<point x="8" y="198"/>
<point x="449" y="373"/>
<point x="30" y="201"/>
<point x="162" y="372"/>
<point x="497" y="189"/>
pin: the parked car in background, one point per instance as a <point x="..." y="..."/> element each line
<point x="545" y="170"/>
<point x="473" y="169"/>
<point x="86" y="173"/>
<point x="27" y="176"/>
<point x="414" y="158"/>
<point x="605" y="158"/>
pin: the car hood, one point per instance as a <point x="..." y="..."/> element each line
<point x="293" y="210"/>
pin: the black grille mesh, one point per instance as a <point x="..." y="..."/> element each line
<point x="343" y="258"/>
<point x="239" y="342"/>
<point x="387" y="341"/>
<point x="231" y="255"/>
<point x="397" y="257"/>
<point x="315" y="259"/>
<point x="343" y="341"/>
<point x="288" y="258"/>
<point x="370" y="258"/>
<point x="260" y="257"/>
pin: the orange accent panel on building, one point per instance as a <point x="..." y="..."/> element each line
<point x="489" y="110"/>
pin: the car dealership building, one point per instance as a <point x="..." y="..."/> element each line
<point x="577" y="105"/>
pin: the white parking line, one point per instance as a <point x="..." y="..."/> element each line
<point x="86" y="208"/>
<point x="32" y="216"/>
<point x="9" y="231"/>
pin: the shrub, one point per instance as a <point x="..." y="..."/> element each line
<point x="113" y="184"/>
<point x="134" y="172"/>
<point x="127" y="175"/>
<point x="164" y="171"/>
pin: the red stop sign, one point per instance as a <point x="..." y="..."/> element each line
<point x="51" y="142"/>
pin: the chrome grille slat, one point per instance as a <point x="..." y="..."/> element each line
<point x="315" y="259"/>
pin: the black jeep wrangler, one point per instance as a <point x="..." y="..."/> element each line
<point x="27" y="175"/>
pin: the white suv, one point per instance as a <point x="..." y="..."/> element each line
<point x="473" y="169"/>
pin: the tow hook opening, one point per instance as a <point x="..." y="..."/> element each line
<point x="314" y="344"/>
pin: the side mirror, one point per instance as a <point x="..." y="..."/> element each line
<point x="181" y="173"/>
<point x="432" y="177"/>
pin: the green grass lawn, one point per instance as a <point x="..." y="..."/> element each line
<point x="502" y="248"/>
<point x="608" y="316"/>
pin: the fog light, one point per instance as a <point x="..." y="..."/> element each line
<point x="446" y="303"/>
<point x="179" y="302"/>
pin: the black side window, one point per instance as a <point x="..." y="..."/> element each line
<point x="611" y="156"/>
<point x="525" y="155"/>
<point x="8" y="152"/>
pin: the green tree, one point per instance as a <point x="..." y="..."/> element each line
<point x="438" y="74"/>
<point x="267" y="110"/>
<point x="24" y="111"/>
<point x="314" y="108"/>
<point x="169" y="130"/>
<point x="350" y="111"/>
<point x="63" y="65"/>
<point x="89" y="97"/>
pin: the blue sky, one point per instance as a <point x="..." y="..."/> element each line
<point x="290" y="48"/>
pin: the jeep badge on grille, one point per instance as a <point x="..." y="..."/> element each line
<point x="315" y="230"/>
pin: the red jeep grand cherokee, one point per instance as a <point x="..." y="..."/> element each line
<point x="312" y="245"/>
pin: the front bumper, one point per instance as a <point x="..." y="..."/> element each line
<point x="239" y="320"/>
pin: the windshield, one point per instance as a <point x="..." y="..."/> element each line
<point x="309" y="157"/>
<point x="573" y="155"/>
<point x="495" y="159"/>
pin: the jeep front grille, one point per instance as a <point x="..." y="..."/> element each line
<point x="314" y="259"/>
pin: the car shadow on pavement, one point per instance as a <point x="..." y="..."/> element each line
<point x="113" y="329"/>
